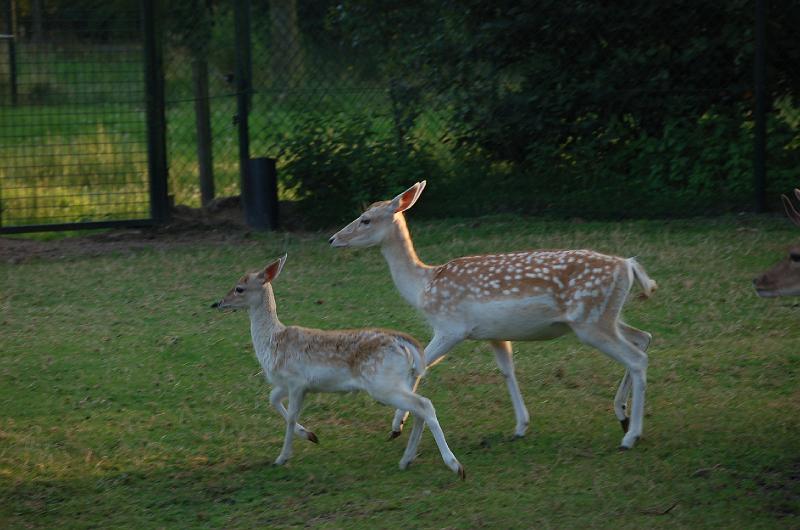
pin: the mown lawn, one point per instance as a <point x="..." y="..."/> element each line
<point x="126" y="402"/>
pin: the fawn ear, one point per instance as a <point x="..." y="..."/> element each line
<point x="272" y="270"/>
<point x="406" y="200"/>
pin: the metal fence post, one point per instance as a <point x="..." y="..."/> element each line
<point x="261" y="202"/>
<point x="243" y="89"/>
<point x="760" y="131"/>
<point x="9" y="36"/>
<point x="156" y="121"/>
<point x="202" y="117"/>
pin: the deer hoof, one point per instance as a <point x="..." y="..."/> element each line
<point x="461" y="473"/>
<point x="394" y="434"/>
<point x="625" y="424"/>
<point x="312" y="437"/>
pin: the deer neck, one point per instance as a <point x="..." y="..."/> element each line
<point x="264" y="324"/>
<point x="410" y="275"/>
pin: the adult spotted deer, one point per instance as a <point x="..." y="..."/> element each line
<point x="531" y="295"/>
<point x="300" y="360"/>
<point x="783" y="278"/>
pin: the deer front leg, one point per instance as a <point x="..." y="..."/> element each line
<point x="410" y="453"/>
<point x="275" y="398"/>
<point x="434" y="352"/>
<point x="295" y="404"/>
<point x="503" y="357"/>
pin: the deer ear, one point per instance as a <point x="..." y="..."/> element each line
<point x="790" y="211"/>
<point x="797" y="193"/>
<point x="272" y="270"/>
<point x="406" y="200"/>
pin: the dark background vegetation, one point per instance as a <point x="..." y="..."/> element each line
<point x="563" y="108"/>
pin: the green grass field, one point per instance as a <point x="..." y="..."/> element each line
<point x="127" y="402"/>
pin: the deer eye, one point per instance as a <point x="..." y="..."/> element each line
<point x="365" y="221"/>
<point x="794" y="256"/>
<point x="239" y="290"/>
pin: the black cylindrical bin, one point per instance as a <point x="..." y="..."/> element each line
<point x="260" y="196"/>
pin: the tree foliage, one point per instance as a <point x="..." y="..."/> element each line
<point x="578" y="99"/>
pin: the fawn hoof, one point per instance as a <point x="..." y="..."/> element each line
<point x="625" y="424"/>
<point x="520" y="431"/>
<point x="627" y="442"/>
<point x="312" y="437"/>
<point x="394" y="434"/>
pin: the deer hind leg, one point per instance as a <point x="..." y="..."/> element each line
<point x="276" y="398"/>
<point x="640" y="339"/>
<point x="434" y="353"/>
<point x="400" y="416"/>
<point x="422" y="408"/>
<point x="621" y="401"/>
<point x="610" y="340"/>
<point x="503" y="357"/>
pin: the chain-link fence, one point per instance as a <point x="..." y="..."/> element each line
<point x="551" y="107"/>
<point x="559" y="108"/>
<point x="73" y="139"/>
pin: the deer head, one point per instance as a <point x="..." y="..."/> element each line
<point x="783" y="278"/>
<point x="249" y="290"/>
<point x="371" y="227"/>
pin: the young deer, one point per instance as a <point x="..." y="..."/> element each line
<point x="299" y="360"/>
<point x="533" y="295"/>
<point x="783" y="278"/>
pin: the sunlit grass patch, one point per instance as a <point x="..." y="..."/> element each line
<point x="98" y="174"/>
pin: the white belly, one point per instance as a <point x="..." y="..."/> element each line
<point x="531" y="318"/>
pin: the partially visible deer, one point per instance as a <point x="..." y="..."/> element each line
<point x="300" y="360"/>
<point x="783" y="278"/>
<point x="531" y="295"/>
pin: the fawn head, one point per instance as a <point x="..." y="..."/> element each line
<point x="249" y="290"/>
<point x="783" y="278"/>
<point x="371" y="227"/>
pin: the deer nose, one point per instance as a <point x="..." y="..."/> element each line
<point x="215" y="305"/>
<point x="332" y="239"/>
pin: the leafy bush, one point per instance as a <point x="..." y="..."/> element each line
<point x="337" y="165"/>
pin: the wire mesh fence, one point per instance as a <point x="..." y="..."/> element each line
<point x="557" y="108"/>
<point x="72" y="128"/>
<point x="560" y="108"/>
<point x="200" y="91"/>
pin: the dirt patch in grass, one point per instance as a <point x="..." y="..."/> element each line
<point x="221" y="221"/>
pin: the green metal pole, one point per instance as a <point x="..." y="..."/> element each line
<point x="156" y="121"/>
<point x="760" y="132"/>
<point x="12" y="49"/>
<point x="243" y="90"/>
